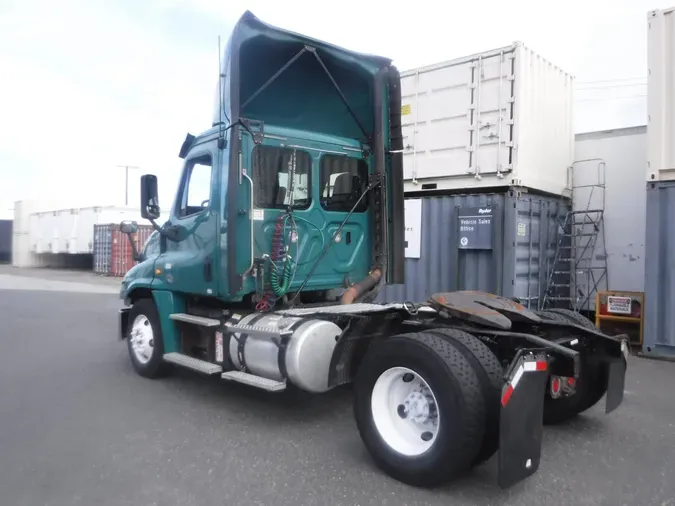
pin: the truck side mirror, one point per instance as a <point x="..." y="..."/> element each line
<point x="128" y="227"/>
<point x="149" y="197"/>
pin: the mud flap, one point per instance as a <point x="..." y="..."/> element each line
<point x="616" y="380"/>
<point x="521" y="417"/>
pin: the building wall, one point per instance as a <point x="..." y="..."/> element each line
<point x="624" y="153"/>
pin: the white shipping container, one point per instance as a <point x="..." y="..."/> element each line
<point x="72" y="230"/>
<point x="24" y="234"/>
<point x="661" y="95"/>
<point x="494" y="119"/>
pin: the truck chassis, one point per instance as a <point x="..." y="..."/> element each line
<point x="439" y="387"/>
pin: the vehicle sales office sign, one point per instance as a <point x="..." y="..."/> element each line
<point x="475" y="228"/>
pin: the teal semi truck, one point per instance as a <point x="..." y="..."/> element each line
<point x="287" y="222"/>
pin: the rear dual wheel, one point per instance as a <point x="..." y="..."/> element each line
<point x="589" y="387"/>
<point x="423" y="404"/>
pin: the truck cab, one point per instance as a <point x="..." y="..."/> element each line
<point x="297" y="184"/>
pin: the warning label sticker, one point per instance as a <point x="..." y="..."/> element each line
<point x="619" y="305"/>
<point x="406" y="109"/>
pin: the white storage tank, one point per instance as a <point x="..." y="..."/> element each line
<point x="661" y="95"/>
<point x="494" y="119"/>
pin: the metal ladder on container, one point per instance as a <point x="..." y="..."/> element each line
<point x="579" y="265"/>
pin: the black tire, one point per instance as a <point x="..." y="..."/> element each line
<point x="573" y="317"/>
<point x="591" y="385"/>
<point x="459" y="400"/>
<point x="491" y="377"/>
<point x="597" y="372"/>
<point x="155" y="367"/>
<point x="552" y="316"/>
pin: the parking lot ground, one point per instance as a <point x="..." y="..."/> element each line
<point x="71" y="276"/>
<point x="79" y="427"/>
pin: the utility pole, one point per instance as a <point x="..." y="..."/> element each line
<point x="126" y="181"/>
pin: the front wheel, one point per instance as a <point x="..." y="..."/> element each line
<point x="419" y="408"/>
<point x="144" y="339"/>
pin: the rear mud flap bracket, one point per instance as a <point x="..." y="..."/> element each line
<point x="521" y="417"/>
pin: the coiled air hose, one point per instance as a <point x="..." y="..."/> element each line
<point x="280" y="282"/>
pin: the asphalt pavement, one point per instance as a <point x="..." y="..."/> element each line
<point x="79" y="427"/>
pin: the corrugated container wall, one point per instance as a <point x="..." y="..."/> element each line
<point x="616" y="159"/>
<point x="113" y="255"/>
<point x="481" y="122"/>
<point x="661" y="95"/>
<point x="659" y="330"/>
<point x="515" y="258"/>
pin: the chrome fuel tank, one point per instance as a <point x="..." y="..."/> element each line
<point x="305" y="359"/>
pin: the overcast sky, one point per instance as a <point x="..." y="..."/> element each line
<point x="86" y="85"/>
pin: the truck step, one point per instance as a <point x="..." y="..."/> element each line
<point x="194" y="319"/>
<point x="256" y="330"/>
<point x="193" y="363"/>
<point x="254" y="381"/>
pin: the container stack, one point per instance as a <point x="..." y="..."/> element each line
<point x="659" y="324"/>
<point x="113" y="255"/>
<point x="488" y="143"/>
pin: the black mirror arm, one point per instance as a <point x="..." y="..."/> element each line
<point x="168" y="231"/>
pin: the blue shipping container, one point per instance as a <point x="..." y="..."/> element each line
<point x="524" y="232"/>
<point x="659" y="318"/>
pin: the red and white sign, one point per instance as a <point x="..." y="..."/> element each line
<point x="619" y="305"/>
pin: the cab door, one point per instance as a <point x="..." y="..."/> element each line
<point x="188" y="263"/>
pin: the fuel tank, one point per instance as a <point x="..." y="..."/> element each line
<point x="305" y="358"/>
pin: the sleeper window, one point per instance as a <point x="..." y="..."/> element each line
<point x="343" y="180"/>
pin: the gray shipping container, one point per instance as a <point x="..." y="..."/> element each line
<point x="659" y="330"/>
<point x="5" y="241"/>
<point x="524" y="235"/>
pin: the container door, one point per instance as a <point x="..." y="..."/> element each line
<point x="456" y="118"/>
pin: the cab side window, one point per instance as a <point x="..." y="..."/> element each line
<point x="343" y="180"/>
<point x="272" y="168"/>
<point x="196" y="188"/>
